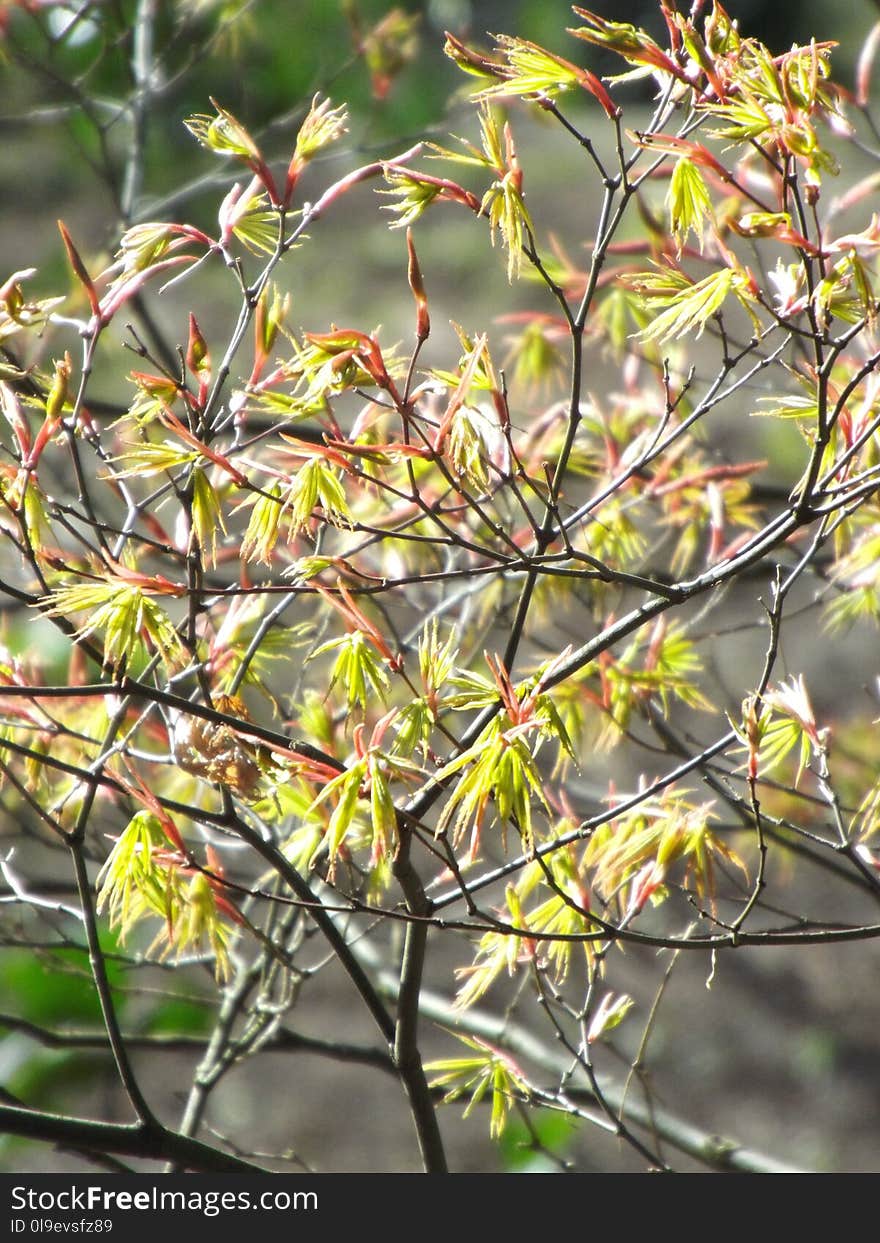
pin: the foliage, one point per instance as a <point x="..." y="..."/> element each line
<point x="351" y="632"/>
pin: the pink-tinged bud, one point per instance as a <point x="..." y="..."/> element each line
<point x="499" y="401"/>
<point x="12" y="412"/>
<point x="865" y="66"/>
<point x="644" y="884"/>
<point x="79" y="269"/>
<point x="237" y="203"/>
<point x="716" y="522"/>
<point x="416" y="284"/>
<point x="752" y="723"/>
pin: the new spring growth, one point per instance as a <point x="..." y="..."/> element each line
<point x="416" y="284"/>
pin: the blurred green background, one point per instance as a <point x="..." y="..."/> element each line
<point x="59" y="126"/>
